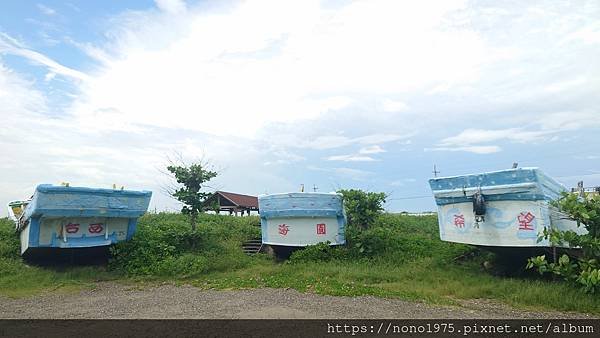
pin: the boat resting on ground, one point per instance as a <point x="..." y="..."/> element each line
<point x="294" y="220"/>
<point x="506" y="208"/>
<point x="64" y="217"/>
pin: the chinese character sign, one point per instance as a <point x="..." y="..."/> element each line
<point x="72" y="228"/>
<point x="95" y="228"/>
<point x="459" y="221"/>
<point x="283" y="229"/>
<point x="321" y="230"/>
<point x="525" y="220"/>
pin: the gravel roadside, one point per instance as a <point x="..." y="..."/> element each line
<point x="113" y="300"/>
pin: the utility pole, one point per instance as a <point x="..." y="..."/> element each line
<point x="435" y="171"/>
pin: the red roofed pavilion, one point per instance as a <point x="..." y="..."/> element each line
<point x="234" y="203"/>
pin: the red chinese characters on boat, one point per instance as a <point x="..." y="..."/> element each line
<point x="72" y="228"/>
<point x="525" y="220"/>
<point x="321" y="229"/>
<point x="95" y="228"/>
<point x="283" y="229"/>
<point x="459" y="221"/>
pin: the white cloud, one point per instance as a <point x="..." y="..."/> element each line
<point x="174" y="71"/>
<point x="351" y="158"/>
<point x="589" y="35"/>
<point x="262" y="86"/>
<point x="10" y="45"/>
<point x="393" y="106"/>
<point x="42" y="149"/>
<point x="171" y="6"/>
<point x="304" y="139"/>
<point x="470" y="149"/>
<point x="362" y="155"/>
<point x="46" y="10"/>
<point x="546" y="128"/>
<point x="381" y="138"/>
<point x="474" y="136"/>
<point x="470" y="140"/>
<point x="564" y="85"/>
<point x="570" y="120"/>
<point x="374" y="149"/>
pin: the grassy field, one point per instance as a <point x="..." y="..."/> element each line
<point x="399" y="256"/>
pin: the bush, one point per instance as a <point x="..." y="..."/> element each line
<point x="362" y="208"/>
<point x="401" y="238"/>
<point x="392" y="238"/>
<point x="9" y="240"/>
<point x="318" y="252"/>
<point x="584" y="270"/>
<point x="372" y="234"/>
<point x="165" y="245"/>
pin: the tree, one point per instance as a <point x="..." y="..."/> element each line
<point x="192" y="178"/>
<point x="583" y="269"/>
<point x="362" y="208"/>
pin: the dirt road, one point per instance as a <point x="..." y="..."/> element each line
<point x="112" y="300"/>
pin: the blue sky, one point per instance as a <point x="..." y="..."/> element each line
<point x="274" y="94"/>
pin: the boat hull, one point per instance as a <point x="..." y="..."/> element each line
<point x="72" y="217"/>
<point x="518" y="208"/>
<point x="301" y="219"/>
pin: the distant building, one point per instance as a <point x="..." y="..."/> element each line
<point x="233" y="203"/>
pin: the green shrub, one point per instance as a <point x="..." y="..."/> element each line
<point x="9" y="239"/>
<point x="165" y="245"/>
<point x="392" y="238"/>
<point x="319" y="252"/>
<point x="585" y="269"/>
<point x="402" y="238"/>
<point x="362" y="208"/>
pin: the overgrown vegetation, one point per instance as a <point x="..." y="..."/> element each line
<point x="165" y="245"/>
<point x="17" y="278"/>
<point x="583" y="270"/>
<point x="402" y="257"/>
<point x="362" y="208"/>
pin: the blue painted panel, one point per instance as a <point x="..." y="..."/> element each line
<point x="34" y="232"/>
<point x="131" y="227"/>
<point x="50" y="200"/>
<point x="499" y="197"/>
<point x="299" y="213"/>
<point x="300" y="201"/>
<point x="52" y="212"/>
<point x="301" y="206"/>
<point x="510" y="176"/>
<point x="517" y="202"/>
<point x="522" y="184"/>
<point x="63" y="202"/>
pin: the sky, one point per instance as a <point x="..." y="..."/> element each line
<point x="274" y="94"/>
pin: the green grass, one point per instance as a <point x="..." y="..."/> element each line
<point x="401" y="257"/>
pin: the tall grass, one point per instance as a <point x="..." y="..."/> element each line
<point x="18" y="278"/>
<point x="166" y="246"/>
<point x="399" y="256"/>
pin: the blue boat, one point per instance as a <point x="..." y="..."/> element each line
<point x="506" y="208"/>
<point x="301" y="219"/>
<point x="64" y="217"/>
